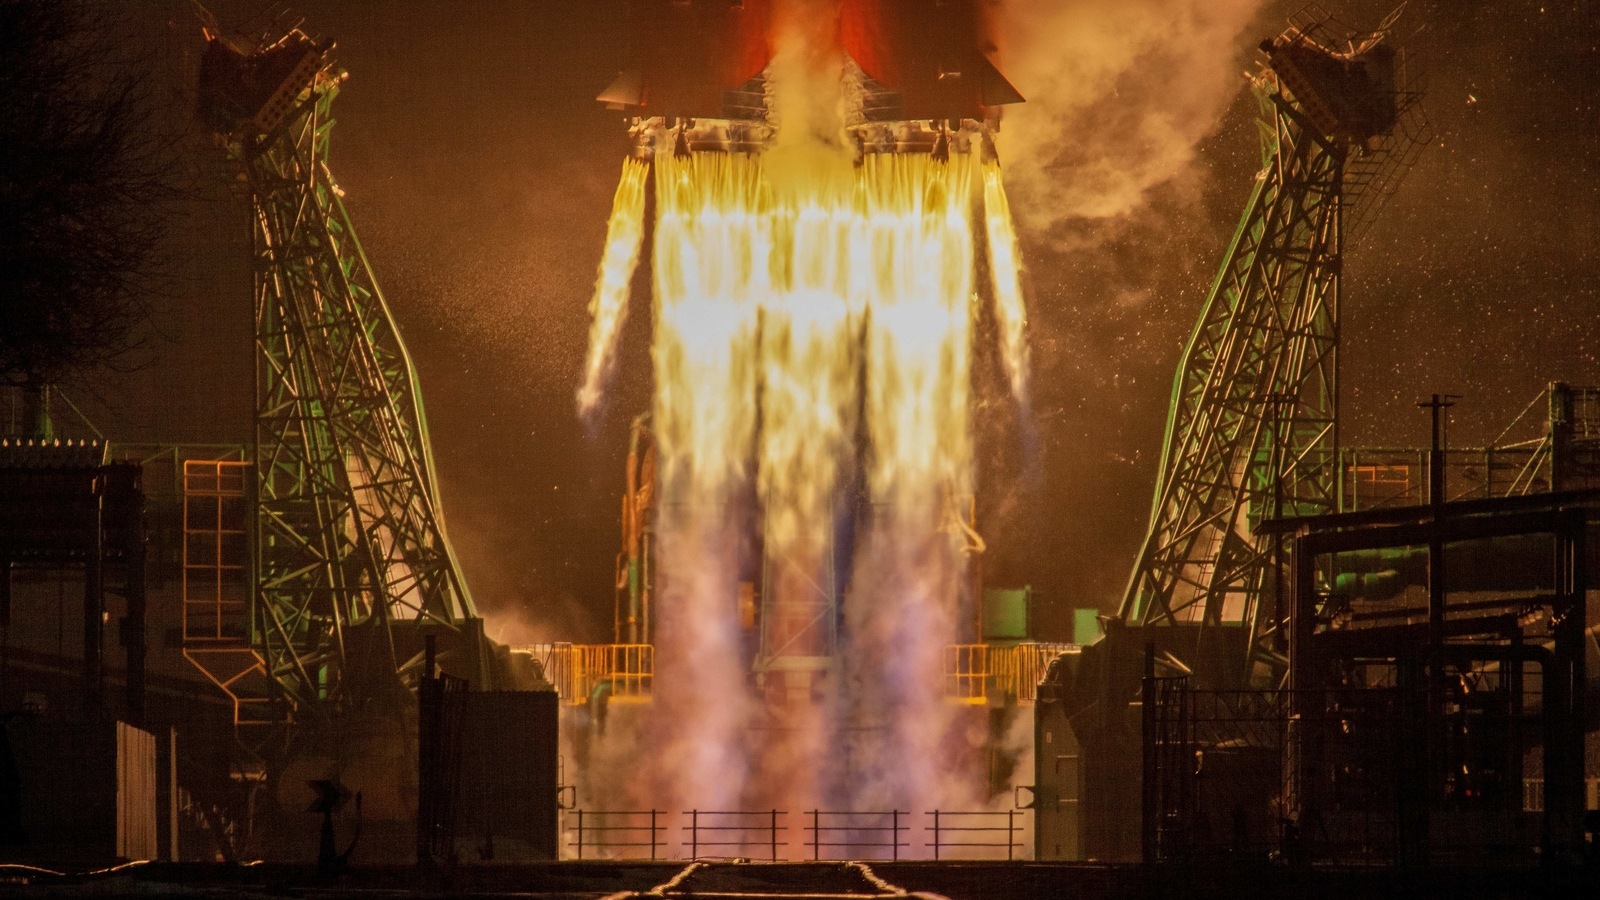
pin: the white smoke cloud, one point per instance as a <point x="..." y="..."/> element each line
<point x="1118" y="95"/>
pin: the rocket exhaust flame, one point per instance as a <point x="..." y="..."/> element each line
<point x="1005" y="278"/>
<point x="609" y="307"/>
<point x="814" y="321"/>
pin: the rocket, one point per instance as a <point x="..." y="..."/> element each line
<point x="705" y="59"/>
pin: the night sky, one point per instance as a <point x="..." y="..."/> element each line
<point x="479" y="173"/>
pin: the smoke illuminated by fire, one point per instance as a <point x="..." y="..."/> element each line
<point x="1137" y="86"/>
<point x="813" y="326"/>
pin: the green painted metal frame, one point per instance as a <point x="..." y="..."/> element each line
<point x="1255" y="401"/>
<point x="349" y="542"/>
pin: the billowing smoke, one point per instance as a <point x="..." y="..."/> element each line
<point x="806" y="88"/>
<point x="700" y="711"/>
<point x="1118" y="96"/>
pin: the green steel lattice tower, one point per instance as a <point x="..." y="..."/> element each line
<point x="1253" y="429"/>
<point x="352" y="565"/>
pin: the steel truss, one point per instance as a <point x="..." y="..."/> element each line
<point x="1253" y="428"/>
<point x="352" y="564"/>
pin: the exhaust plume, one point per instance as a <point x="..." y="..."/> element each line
<point x="812" y="348"/>
<point x="608" y="308"/>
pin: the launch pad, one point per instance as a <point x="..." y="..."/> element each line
<point x="1332" y="665"/>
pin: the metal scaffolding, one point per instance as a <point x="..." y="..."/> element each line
<point x="348" y="546"/>
<point x="1253" y="428"/>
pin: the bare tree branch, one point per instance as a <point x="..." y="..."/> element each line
<point x="84" y="180"/>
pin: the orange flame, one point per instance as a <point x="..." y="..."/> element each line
<point x="609" y="306"/>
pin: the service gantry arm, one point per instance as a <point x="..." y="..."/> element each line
<point x="352" y="564"/>
<point x="1253" y="431"/>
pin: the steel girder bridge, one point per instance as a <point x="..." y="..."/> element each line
<point x="351" y="565"/>
<point x="1253" y="429"/>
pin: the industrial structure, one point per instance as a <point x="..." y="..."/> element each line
<point x="1232" y="709"/>
<point x="1324" y="654"/>
<point x="353" y="599"/>
<point x="305" y="573"/>
<point x="1252" y="433"/>
<point x="351" y="562"/>
<point x="1253" y="430"/>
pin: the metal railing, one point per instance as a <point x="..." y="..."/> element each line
<point x="738" y="830"/>
<point x="627" y="671"/>
<point x="216" y="556"/>
<point x="214" y="587"/>
<point x="1017" y="670"/>
<point x="556" y="658"/>
<point x="870" y="831"/>
<point x="966" y="673"/>
<point x="627" y="668"/>
<point x="971" y="831"/>
<point x="1384" y="477"/>
<point x="622" y="832"/>
<point x="825" y="834"/>
<point x="975" y="673"/>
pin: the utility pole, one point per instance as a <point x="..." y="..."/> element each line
<point x="1436" y="498"/>
<point x="1423" y="790"/>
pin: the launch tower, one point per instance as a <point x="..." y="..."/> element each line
<point x="1253" y="430"/>
<point x="350" y="562"/>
